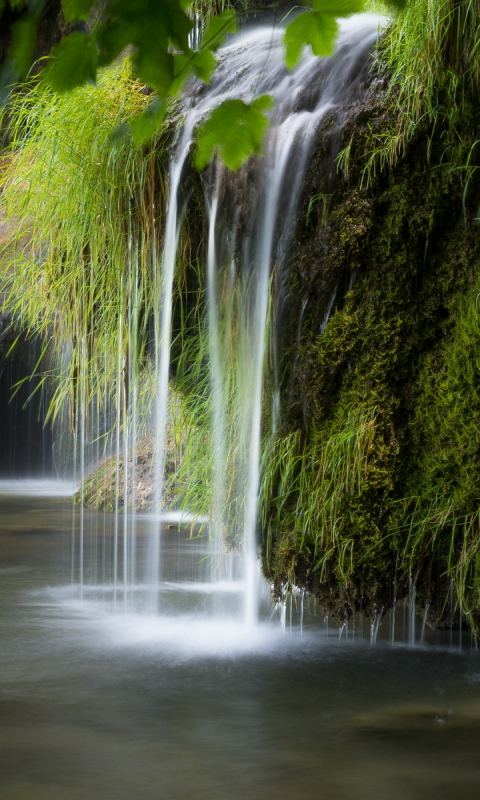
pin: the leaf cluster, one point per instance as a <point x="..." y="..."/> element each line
<point x="159" y="37"/>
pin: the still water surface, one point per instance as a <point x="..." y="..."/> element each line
<point x="98" y="707"/>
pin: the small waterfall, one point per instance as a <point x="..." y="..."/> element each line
<point x="251" y="219"/>
<point x="244" y="248"/>
<point x="412" y="596"/>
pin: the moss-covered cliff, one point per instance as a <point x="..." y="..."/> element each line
<point x="375" y="480"/>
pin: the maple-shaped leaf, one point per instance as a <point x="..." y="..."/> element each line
<point x="310" y="28"/>
<point x="235" y="130"/>
<point x="317" y="28"/>
<point x="75" y="62"/>
<point x="149" y="25"/>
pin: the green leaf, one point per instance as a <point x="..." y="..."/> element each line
<point x="318" y="28"/>
<point x="144" y="126"/>
<point x="22" y="47"/>
<point x="311" y="28"/>
<point x="76" y="9"/>
<point x="218" y="28"/>
<point x="201" y="64"/>
<point x="150" y="25"/>
<point x="75" y="62"/>
<point x="235" y="130"/>
<point x="156" y="68"/>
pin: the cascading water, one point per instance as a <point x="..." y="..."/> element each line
<point x="251" y="221"/>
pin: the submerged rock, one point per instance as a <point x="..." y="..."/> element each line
<point x="101" y="486"/>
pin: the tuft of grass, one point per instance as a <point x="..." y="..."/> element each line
<point x="86" y="206"/>
<point x="305" y="488"/>
<point x="431" y="51"/>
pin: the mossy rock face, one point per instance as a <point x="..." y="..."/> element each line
<point x="395" y="264"/>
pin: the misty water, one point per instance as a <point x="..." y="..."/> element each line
<point x="101" y="705"/>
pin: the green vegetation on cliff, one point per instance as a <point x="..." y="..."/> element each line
<point x="399" y="252"/>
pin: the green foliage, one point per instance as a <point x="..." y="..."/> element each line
<point x="190" y="482"/>
<point x="22" y="47"/>
<point x="202" y="62"/>
<point x="443" y="511"/>
<point x="158" y="34"/>
<point x="74" y="10"/>
<point x="403" y="340"/>
<point x="310" y="486"/>
<point x="75" y="62"/>
<point x="218" y="27"/>
<point x="82" y="199"/>
<point x="234" y="129"/>
<point x="317" y="28"/>
<point x="148" y="122"/>
<point x="431" y="51"/>
<point x="383" y="474"/>
<point x="20" y="53"/>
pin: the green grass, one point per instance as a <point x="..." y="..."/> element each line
<point x="308" y="486"/>
<point x="432" y="52"/>
<point x="87" y="205"/>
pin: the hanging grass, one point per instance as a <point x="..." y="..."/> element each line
<point x="87" y="206"/>
<point x="430" y="52"/>
<point x="308" y="486"/>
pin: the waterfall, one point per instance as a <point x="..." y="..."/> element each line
<point x="251" y="219"/>
<point x="243" y="250"/>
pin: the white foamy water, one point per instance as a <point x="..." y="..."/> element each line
<point x="38" y="488"/>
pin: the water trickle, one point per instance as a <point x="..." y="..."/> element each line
<point x="424" y="622"/>
<point x="375" y="625"/>
<point x="269" y="197"/>
<point x="412" y="592"/>
<point x="328" y="311"/>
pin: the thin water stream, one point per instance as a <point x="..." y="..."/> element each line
<point x="126" y="706"/>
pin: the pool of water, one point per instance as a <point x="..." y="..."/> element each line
<point x="99" y="705"/>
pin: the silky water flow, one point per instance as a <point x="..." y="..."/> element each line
<point x="251" y="220"/>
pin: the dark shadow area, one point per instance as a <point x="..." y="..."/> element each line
<point x="26" y="446"/>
